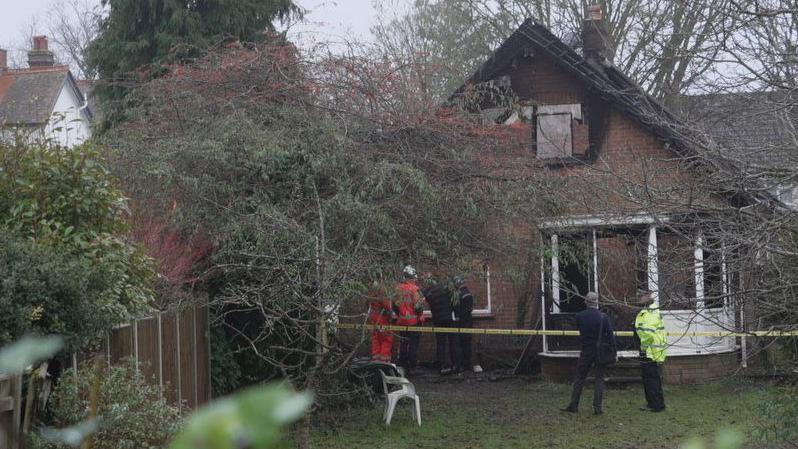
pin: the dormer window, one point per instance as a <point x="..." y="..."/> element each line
<point x="560" y="132"/>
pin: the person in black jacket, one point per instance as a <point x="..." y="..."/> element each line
<point x="439" y="298"/>
<point x="590" y="322"/>
<point x="463" y="312"/>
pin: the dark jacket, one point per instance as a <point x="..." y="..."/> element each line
<point x="588" y="322"/>
<point x="465" y="307"/>
<point x="439" y="299"/>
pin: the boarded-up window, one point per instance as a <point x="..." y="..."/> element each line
<point x="555" y="131"/>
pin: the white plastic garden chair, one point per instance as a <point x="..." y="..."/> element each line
<point x="406" y="390"/>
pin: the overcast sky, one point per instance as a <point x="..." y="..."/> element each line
<point x="330" y="20"/>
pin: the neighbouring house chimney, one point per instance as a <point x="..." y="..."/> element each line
<point x="3" y="60"/>
<point x="595" y="42"/>
<point x="39" y="55"/>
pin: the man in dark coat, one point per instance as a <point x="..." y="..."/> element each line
<point x="463" y="311"/>
<point x="439" y="299"/>
<point x="592" y="325"/>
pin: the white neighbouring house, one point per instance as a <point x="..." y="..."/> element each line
<point x="42" y="101"/>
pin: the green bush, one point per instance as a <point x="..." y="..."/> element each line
<point x="132" y="413"/>
<point x="47" y="290"/>
<point x="66" y="263"/>
<point x="225" y="370"/>
<point x="779" y="415"/>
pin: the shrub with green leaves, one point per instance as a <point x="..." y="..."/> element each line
<point x="46" y="290"/>
<point x="66" y="261"/>
<point x="132" y="413"/>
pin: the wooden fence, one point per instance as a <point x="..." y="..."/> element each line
<point x="172" y="349"/>
<point x="10" y="410"/>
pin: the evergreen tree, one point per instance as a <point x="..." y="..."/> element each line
<point x="136" y="33"/>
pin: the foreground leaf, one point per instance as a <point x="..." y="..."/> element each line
<point x="252" y="418"/>
<point x="23" y="353"/>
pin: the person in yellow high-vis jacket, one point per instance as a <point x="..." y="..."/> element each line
<point x="650" y="331"/>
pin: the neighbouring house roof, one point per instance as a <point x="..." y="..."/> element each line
<point x="28" y="96"/>
<point x="753" y="128"/>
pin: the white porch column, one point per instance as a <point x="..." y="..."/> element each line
<point x="555" y="275"/>
<point x="595" y="263"/>
<point x="543" y="301"/>
<point x="699" y="273"/>
<point x="653" y="264"/>
<point x="488" y="287"/>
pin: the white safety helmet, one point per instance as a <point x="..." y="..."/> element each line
<point x="409" y="272"/>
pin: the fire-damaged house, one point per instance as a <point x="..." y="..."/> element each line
<point x="633" y="207"/>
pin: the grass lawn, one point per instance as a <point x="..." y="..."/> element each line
<point x="525" y="414"/>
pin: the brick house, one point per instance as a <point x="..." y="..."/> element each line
<point x="629" y="189"/>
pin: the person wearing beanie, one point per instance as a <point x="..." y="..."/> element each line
<point x="594" y="328"/>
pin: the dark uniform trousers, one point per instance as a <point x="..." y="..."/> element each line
<point x="408" y="349"/>
<point x="652" y="383"/>
<point x="441" y="342"/>
<point x="587" y="359"/>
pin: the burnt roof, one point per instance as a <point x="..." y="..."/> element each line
<point x="28" y="96"/>
<point x="602" y="77"/>
<point x="718" y="147"/>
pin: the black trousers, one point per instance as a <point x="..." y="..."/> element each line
<point x="464" y="356"/>
<point x="652" y="383"/>
<point x="408" y="349"/>
<point x="444" y="359"/>
<point x="587" y="359"/>
<point x="462" y="352"/>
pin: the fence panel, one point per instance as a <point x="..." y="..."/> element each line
<point x="170" y="357"/>
<point x="121" y="343"/>
<point x="10" y="410"/>
<point x="188" y="369"/>
<point x="148" y="341"/>
<point x="171" y="349"/>
<point x="203" y="356"/>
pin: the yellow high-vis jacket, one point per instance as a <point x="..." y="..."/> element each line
<point x="651" y="331"/>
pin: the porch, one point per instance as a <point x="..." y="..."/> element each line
<point x="684" y="266"/>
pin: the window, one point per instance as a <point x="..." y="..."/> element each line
<point x="571" y="272"/>
<point x="560" y="131"/>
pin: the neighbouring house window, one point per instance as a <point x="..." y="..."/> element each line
<point x="560" y="131"/>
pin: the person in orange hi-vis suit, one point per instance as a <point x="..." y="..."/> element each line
<point x="380" y="313"/>
<point x="409" y="308"/>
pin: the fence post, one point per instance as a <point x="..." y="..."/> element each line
<point x="179" y="371"/>
<point x="194" y="352"/>
<point x="160" y="355"/>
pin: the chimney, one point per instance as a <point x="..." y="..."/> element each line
<point x="39" y="55"/>
<point x="3" y="60"/>
<point x="595" y="42"/>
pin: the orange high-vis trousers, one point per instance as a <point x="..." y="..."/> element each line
<point x="381" y="345"/>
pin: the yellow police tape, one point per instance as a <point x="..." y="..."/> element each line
<point x="459" y="330"/>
